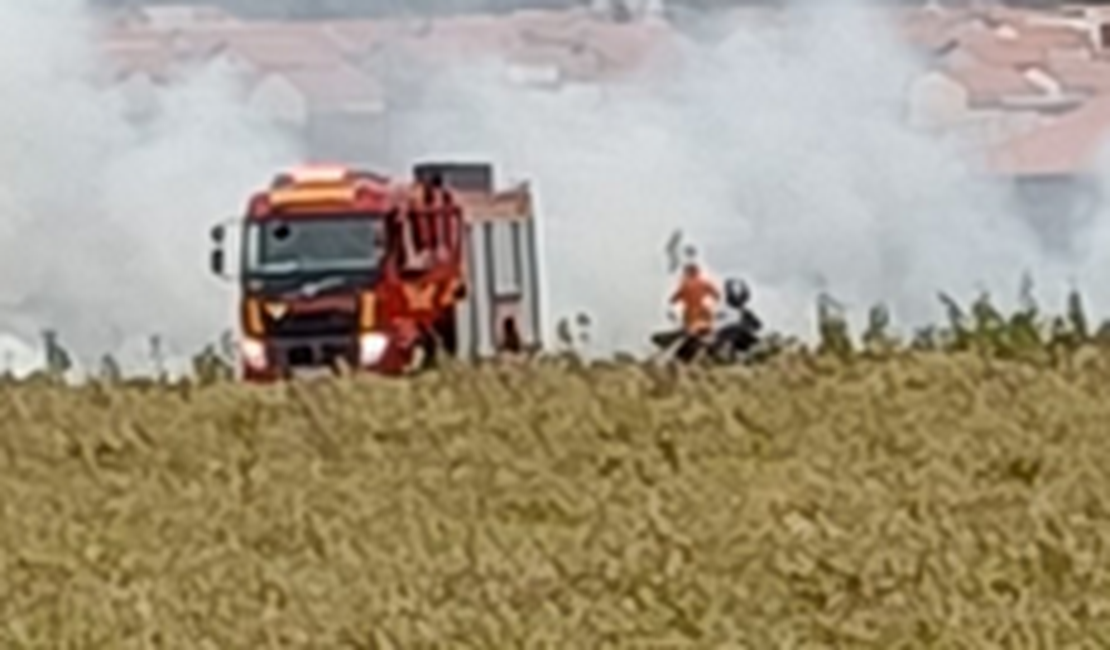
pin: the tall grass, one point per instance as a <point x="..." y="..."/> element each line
<point x="1027" y="334"/>
<point x="945" y="491"/>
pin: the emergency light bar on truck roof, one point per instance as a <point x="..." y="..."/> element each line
<point x="321" y="188"/>
<point x="324" y="175"/>
<point x="310" y="200"/>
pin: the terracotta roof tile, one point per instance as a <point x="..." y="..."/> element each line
<point x="465" y="37"/>
<point x="928" y="29"/>
<point x="995" y="50"/>
<point x="552" y="23"/>
<point x="567" y="64"/>
<point x="272" y="47"/>
<point x="1066" y="145"/>
<point x="362" y="35"/>
<point x="585" y="47"/>
<point x="138" y="54"/>
<point x="338" y="88"/>
<point x="1056" y="37"/>
<point x="172" y="16"/>
<point x="625" y="49"/>
<point x="423" y="40"/>
<point x="987" y="85"/>
<point x="1081" y="76"/>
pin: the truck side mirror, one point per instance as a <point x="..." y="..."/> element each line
<point x="216" y="261"/>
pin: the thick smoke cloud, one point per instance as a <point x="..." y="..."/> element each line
<point x="104" y="230"/>
<point x="784" y="153"/>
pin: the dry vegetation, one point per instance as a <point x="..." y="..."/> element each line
<point x="897" y="498"/>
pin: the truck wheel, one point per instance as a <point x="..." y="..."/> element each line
<point x="425" y="351"/>
<point x="446" y="331"/>
<point x="511" y="340"/>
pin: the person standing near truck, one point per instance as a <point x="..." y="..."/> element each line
<point x="698" y="297"/>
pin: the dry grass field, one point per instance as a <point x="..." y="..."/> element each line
<point x="910" y="500"/>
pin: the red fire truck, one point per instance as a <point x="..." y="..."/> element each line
<point x="338" y="264"/>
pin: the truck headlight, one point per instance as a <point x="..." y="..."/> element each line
<point x="371" y="348"/>
<point x="254" y="352"/>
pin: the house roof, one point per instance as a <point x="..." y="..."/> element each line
<point x="331" y="62"/>
<point x="1066" y="145"/>
<point x="624" y="49"/>
<point x="281" y="54"/>
<point x="175" y="14"/>
<point x="1053" y="37"/>
<point x="986" y="85"/>
<point x="340" y="88"/>
<point x="992" y="49"/>
<point x="139" y="55"/>
<point x="1083" y="76"/>
<point x="271" y="47"/>
<point x="357" y="35"/>
<point x="470" y="35"/>
<point x="929" y="29"/>
<point x="448" y="40"/>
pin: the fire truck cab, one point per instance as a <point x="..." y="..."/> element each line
<point x="341" y="265"/>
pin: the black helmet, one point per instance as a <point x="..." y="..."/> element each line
<point x="737" y="293"/>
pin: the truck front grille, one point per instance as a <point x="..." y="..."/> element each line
<point x="325" y="323"/>
<point x="314" y="353"/>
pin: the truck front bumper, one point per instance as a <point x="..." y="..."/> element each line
<point x="269" y="360"/>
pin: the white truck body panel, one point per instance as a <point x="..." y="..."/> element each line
<point x="503" y="282"/>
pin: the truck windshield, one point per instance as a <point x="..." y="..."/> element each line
<point x="315" y="244"/>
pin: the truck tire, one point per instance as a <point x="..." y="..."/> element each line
<point x="435" y="341"/>
<point x="446" y="330"/>
<point x="511" y="340"/>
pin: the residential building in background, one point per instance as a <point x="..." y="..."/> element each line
<point x="1025" y="92"/>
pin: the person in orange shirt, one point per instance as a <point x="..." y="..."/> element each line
<point x="698" y="298"/>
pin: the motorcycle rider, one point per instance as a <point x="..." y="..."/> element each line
<point x="725" y="338"/>
<point x="697" y="297"/>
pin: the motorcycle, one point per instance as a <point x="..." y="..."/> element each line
<point x="732" y="340"/>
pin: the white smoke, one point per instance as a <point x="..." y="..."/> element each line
<point x="785" y="154"/>
<point x="103" y="235"/>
